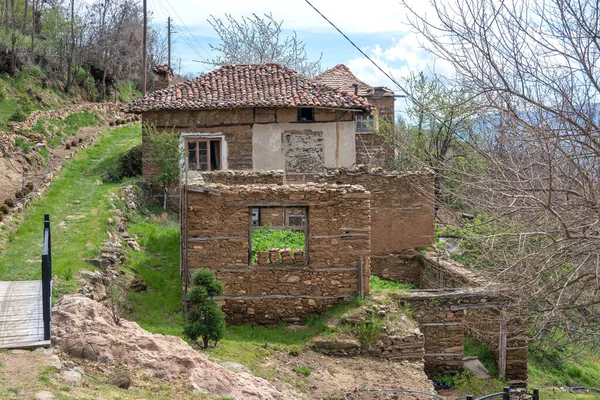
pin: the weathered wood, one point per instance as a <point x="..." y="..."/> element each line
<point x="21" y="314"/>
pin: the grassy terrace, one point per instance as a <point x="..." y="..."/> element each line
<point x="78" y="204"/>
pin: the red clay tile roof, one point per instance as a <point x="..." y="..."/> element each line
<point x="341" y="78"/>
<point x="247" y="85"/>
<point x="162" y="69"/>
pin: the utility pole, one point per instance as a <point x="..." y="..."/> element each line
<point x="144" y="55"/>
<point x="169" y="39"/>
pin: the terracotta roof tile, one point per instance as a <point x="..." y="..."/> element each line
<point x="248" y="85"/>
<point x="341" y="78"/>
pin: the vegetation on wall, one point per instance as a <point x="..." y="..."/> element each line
<point x="265" y="239"/>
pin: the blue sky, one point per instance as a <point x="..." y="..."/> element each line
<point x="379" y="27"/>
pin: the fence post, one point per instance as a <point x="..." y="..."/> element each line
<point x="47" y="278"/>
<point x="470" y="397"/>
<point x="536" y="394"/>
<point x="506" y="395"/>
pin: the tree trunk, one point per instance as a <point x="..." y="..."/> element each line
<point x="24" y="17"/>
<point x="165" y="193"/>
<point x="71" y="50"/>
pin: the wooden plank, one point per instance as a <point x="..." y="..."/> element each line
<point x="21" y="314"/>
<point x="26" y="345"/>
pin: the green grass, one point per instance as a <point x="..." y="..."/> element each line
<point x="56" y="131"/>
<point x="302" y="369"/>
<point x="474" y="348"/>
<point x="265" y="239"/>
<point x="379" y="285"/>
<point x="159" y="308"/>
<point x="23" y="144"/>
<point x="78" y="204"/>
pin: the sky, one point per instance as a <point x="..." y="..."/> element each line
<point x="379" y="27"/>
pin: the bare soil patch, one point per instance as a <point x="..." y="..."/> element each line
<point x="346" y="377"/>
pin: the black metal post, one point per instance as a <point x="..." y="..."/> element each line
<point x="47" y="278"/>
<point x="506" y="395"/>
<point x="470" y="397"/>
<point x="536" y="394"/>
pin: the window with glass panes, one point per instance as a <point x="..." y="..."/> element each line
<point x="203" y="154"/>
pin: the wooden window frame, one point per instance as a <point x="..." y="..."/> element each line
<point x="208" y="141"/>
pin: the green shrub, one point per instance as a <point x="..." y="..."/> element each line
<point x="5" y="209"/>
<point x="130" y="163"/>
<point x="1" y="217"/>
<point x="23" y="144"/>
<point x="10" y="202"/>
<point x="206" y="319"/>
<point x="3" y="91"/>
<point x="29" y="187"/>
<point x="19" y="115"/>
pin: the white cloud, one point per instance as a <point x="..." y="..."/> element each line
<point x="351" y="16"/>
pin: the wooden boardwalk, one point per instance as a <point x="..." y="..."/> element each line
<point x="21" y="314"/>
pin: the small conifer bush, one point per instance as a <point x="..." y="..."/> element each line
<point x="9" y="202"/>
<point x="5" y="209"/>
<point x="205" y="320"/>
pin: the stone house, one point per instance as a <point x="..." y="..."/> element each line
<point x="372" y="148"/>
<point x="239" y="124"/>
<point x="255" y="117"/>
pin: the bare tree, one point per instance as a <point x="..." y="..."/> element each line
<point x="258" y="40"/>
<point x="536" y="65"/>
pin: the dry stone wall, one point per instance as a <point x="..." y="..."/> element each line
<point x="402" y="217"/>
<point x="402" y="212"/>
<point x="217" y="229"/>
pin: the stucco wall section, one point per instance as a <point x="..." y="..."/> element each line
<point x="269" y="144"/>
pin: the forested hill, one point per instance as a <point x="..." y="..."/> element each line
<point x="87" y="49"/>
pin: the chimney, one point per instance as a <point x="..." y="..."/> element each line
<point x="355" y="88"/>
<point x="163" y="76"/>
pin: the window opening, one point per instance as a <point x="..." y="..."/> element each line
<point x="278" y="236"/>
<point x="204" y="154"/>
<point x="306" y="114"/>
<point x="365" y="123"/>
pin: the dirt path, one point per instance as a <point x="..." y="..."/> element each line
<point x="346" y="377"/>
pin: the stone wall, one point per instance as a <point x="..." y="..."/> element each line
<point x="217" y="229"/>
<point x="447" y="316"/>
<point x="372" y="149"/>
<point x="402" y="217"/>
<point x="402" y="211"/>
<point x="440" y="272"/>
<point x="236" y="125"/>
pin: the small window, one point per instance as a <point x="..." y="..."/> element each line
<point x="203" y="154"/>
<point x="278" y="235"/>
<point x="365" y="123"/>
<point x="306" y="114"/>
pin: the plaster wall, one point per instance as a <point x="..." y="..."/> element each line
<point x="272" y="142"/>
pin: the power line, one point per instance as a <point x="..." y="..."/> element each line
<point x="406" y="92"/>
<point x="362" y="52"/>
<point x="186" y="28"/>
<point x="185" y="39"/>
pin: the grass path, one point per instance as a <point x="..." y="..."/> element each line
<point x="78" y="204"/>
